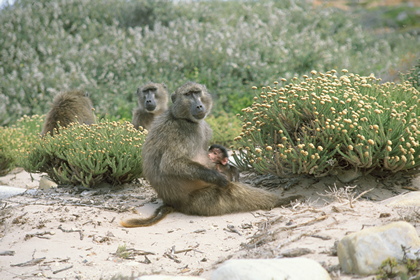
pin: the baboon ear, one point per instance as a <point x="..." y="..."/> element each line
<point x="173" y="97"/>
<point x="138" y="91"/>
<point x="87" y="94"/>
<point x="164" y="85"/>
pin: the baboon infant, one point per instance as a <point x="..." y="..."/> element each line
<point x="176" y="163"/>
<point x="152" y="101"/>
<point x="219" y="156"/>
<point x="69" y="107"/>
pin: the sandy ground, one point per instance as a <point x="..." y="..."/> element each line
<point x="73" y="233"/>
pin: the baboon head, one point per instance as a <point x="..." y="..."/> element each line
<point x="218" y="154"/>
<point x="84" y="96"/>
<point x="152" y="95"/>
<point x="191" y="101"/>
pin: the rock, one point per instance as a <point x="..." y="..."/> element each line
<point x="45" y="183"/>
<point x="167" y="277"/>
<point x="416" y="182"/>
<point x="271" y="269"/>
<point x="408" y="199"/>
<point x="6" y="191"/>
<point x="296" y="252"/>
<point x="363" y="252"/>
<point x="346" y="176"/>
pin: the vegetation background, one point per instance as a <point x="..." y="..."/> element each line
<point x="110" y="48"/>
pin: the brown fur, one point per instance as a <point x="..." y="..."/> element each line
<point x="143" y="115"/>
<point x="69" y="107"/>
<point x="228" y="170"/>
<point x="219" y="156"/>
<point x="176" y="140"/>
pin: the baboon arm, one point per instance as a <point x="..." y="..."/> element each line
<point x="188" y="169"/>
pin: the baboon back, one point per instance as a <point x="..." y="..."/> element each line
<point x="69" y="107"/>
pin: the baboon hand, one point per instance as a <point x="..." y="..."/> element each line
<point x="218" y="178"/>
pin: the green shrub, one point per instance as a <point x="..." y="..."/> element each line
<point x="18" y="140"/>
<point x="6" y="160"/>
<point x="225" y="128"/>
<point x="109" y="48"/>
<point x="89" y="155"/>
<point x="413" y="76"/>
<point x="319" y="124"/>
<point x="406" y="268"/>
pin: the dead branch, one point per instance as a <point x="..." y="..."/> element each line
<point x="146" y="260"/>
<point x="60" y="270"/>
<point x="231" y="228"/>
<point x="172" y="257"/>
<point x="7" y="253"/>
<point x="29" y="263"/>
<point x="281" y="245"/>
<point x="72" y="230"/>
<point x="39" y="235"/>
<point x="302" y="224"/>
<point x="323" y="237"/>
<point x="352" y="199"/>
<point x="139" y="252"/>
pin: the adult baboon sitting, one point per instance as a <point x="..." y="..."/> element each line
<point x="152" y="101"/>
<point x="176" y="163"/>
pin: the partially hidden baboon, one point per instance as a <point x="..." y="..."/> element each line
<point x="69" y="107"/>
<point x="152" y="101"/>
<point x="176" y="163"/>
<point x="220" y="157"/>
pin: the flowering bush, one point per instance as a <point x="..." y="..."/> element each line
<point x="325" y="122"/>
<point x="88" y="155"/>
<point x="18" y="140"/>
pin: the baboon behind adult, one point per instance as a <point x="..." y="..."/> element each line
<point x="176" y="163"/>
<point x="152" y="101"/>
<point x="69" y="107"/>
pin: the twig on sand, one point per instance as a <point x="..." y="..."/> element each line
<point x="39" y="235"/>
<point x="318" y="219"/>
<point x="266" y="234"/>
<point x="72" y="230"/>
<point x="29" y="263"/>
<point x="231" y="228"/>
<point x="281" y="245"/>
<point x="172" y="257"/>
<point x="60" y="270"/>
<point x="7" y="253"/>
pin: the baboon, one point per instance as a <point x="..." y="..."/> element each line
<point x="152" y="101"/>
<point x="69" y="107"/>
<point x="219" y="156"/>
<point x="176" y="163"/>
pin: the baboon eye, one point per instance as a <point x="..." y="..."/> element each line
<point x="192" y="92"/>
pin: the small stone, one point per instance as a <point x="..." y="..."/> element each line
<point x="6" y="191"/>
<point x="269" y="269"/>
<point x="168" y="277"/>
<point x="346" y="176"/>
<point x="296" y="252"/>
<point x="46" y="183"/>
<point x="408" y="199"/>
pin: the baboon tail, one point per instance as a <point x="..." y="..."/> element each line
<point x="288" y="200"/>
<point x="157" y="216"/>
